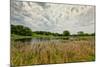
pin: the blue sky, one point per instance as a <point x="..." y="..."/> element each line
<point x="53" y="17"/>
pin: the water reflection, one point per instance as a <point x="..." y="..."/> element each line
<point x="36" y="40"/>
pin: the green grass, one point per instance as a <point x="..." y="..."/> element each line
<point x="13" y="36"/>
<point x="64" y="51"/>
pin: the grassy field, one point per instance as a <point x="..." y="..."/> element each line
<point x="73" y="50"/>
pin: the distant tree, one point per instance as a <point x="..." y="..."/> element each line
<point x="74" y="34"/>
<point x="12" y="29"/>
<point x="66" y="33"/>
<point x="56" y="34"/>
<point x="86" y="34"/>
<point x="80" y="33"/>
<point x="93" y="34"/>
<point x="46" y="33"/>
<point x="21" y="30"/>
<point x="27" y="31"/>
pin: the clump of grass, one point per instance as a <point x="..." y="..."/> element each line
<point x="52" y="52"/>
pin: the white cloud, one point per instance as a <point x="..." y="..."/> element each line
<point x="53" y="17"/>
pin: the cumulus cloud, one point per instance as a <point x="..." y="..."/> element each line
<point x="40" y="16"/>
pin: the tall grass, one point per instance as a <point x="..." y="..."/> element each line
<point x="52" y="52"/>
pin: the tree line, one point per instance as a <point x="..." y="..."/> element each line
<point x="25" y="31"/>
<point x="21" y="30"/>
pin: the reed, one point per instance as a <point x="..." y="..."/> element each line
<point x="64" y="51"/>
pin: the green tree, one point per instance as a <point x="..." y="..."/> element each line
<point x="93" y="34"/>
<point x="66" y="33"/>
<point x="21" y="30"/>
<point x="80" y="33"/>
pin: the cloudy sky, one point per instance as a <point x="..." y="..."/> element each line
<point x="40" y="16"/>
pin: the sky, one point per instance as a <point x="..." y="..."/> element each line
<point x="53" y="17"/>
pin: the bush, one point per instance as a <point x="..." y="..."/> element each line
<point x="21" y="30"/>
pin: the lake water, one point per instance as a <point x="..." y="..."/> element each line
<point x="37" y="40"/>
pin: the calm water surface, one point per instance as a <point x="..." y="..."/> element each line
<point x="37" y="40"/>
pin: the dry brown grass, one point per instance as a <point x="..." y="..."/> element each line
<point x="52" y="52"/>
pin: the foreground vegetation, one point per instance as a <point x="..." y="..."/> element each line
<point x="68" y="47"/>
<point x="77" y="50"/>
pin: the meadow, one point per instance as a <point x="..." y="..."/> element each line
<point x="79" y="49"/>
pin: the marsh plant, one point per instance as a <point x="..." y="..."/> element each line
<point x="50" y="52"/>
